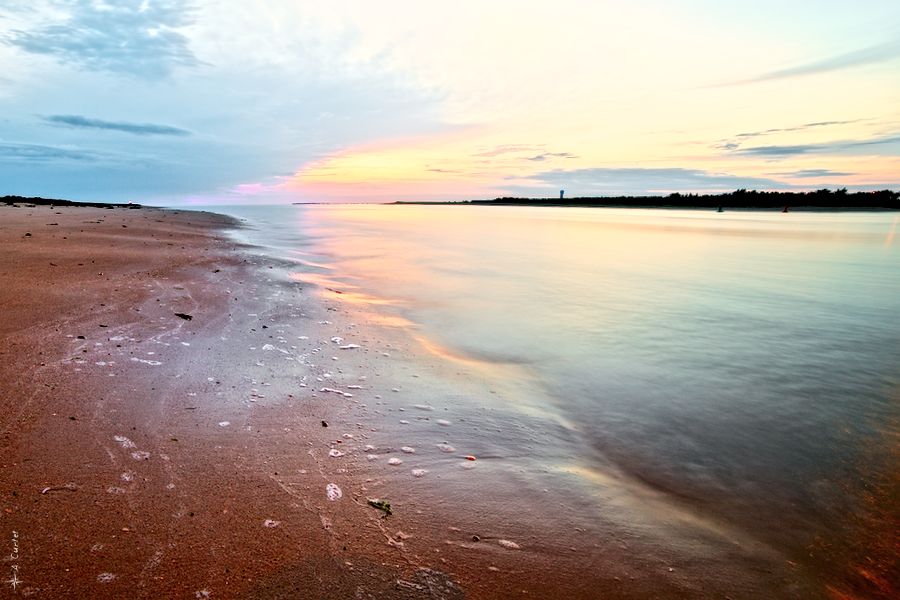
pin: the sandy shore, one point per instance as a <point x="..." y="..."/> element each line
<point x="130" y="466"/>
<point x="145" y="454"/>
<point x="148" y="455"/>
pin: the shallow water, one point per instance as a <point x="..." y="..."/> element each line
<point x="736" y="374"/>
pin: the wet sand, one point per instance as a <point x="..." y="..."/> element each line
<point x="120" y="477"/>
<point x="148" y="455"/>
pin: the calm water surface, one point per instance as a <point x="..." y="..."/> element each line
<point x="741" y="368"/>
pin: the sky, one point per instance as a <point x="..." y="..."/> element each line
<point x="227" y="101"/>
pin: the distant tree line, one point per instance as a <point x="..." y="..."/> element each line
<point x="820" y="199"/>
<point x="36" y="201"/>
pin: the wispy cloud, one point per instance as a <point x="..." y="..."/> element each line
<point x="837" y="147"/>
<point x="138" y="38"/>
<point x="601" y="180"/>
<point x="39" y="153"/>
<point x="803" y="127"/>
<point x="525" y="151"/>
<point x="548" y="155"/>
<point x="783" y="150"/>
<point x="125" y="127"/>
<point x="508" y="149"/>
<point x="736" y="143"/>
<point x="813" y="173"/>
<point x="866" y="56"/>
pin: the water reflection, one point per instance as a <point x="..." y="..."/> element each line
<point x="736" y="371"/>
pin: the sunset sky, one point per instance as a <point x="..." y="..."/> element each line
<point x="172" y="102"/>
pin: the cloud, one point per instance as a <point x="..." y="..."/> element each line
<point x="39" y="153"/>
<point x="138" y="38"/>
<point x="524" y="149"/>
<point x="865" y="56"/>
<point x="133" y="128"/>
<point x="546" y="155"/>
<point x="508" y="149"/>
<point x="837" y="147"/>
<point x="813" y="173"/>
<point x="606" y="181"/>
<point x="797" y="128"/>
<point x="279" y="136"/>
<point x="782" y="150"/>
<point x="735" y="143"/>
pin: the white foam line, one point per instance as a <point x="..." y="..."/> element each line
<point x="152" y="363"/>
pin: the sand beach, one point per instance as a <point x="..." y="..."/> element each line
<point x="186" y="415"/>
<point x="146" y="454"/>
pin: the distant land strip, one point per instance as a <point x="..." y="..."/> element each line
<point x="10" y="200"/>
<point x="739" y="199"/>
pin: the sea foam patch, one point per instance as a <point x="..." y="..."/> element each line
<point x="333" y="492"/>
<point x="152" y="363"/>
<point x="124" y="441"/>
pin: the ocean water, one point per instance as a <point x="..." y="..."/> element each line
<point x="689" y="378"/>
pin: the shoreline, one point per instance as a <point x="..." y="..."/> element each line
<point x="127" y="470"/>
<point x="161" y="456"/>
<point x="148" y="455"/>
